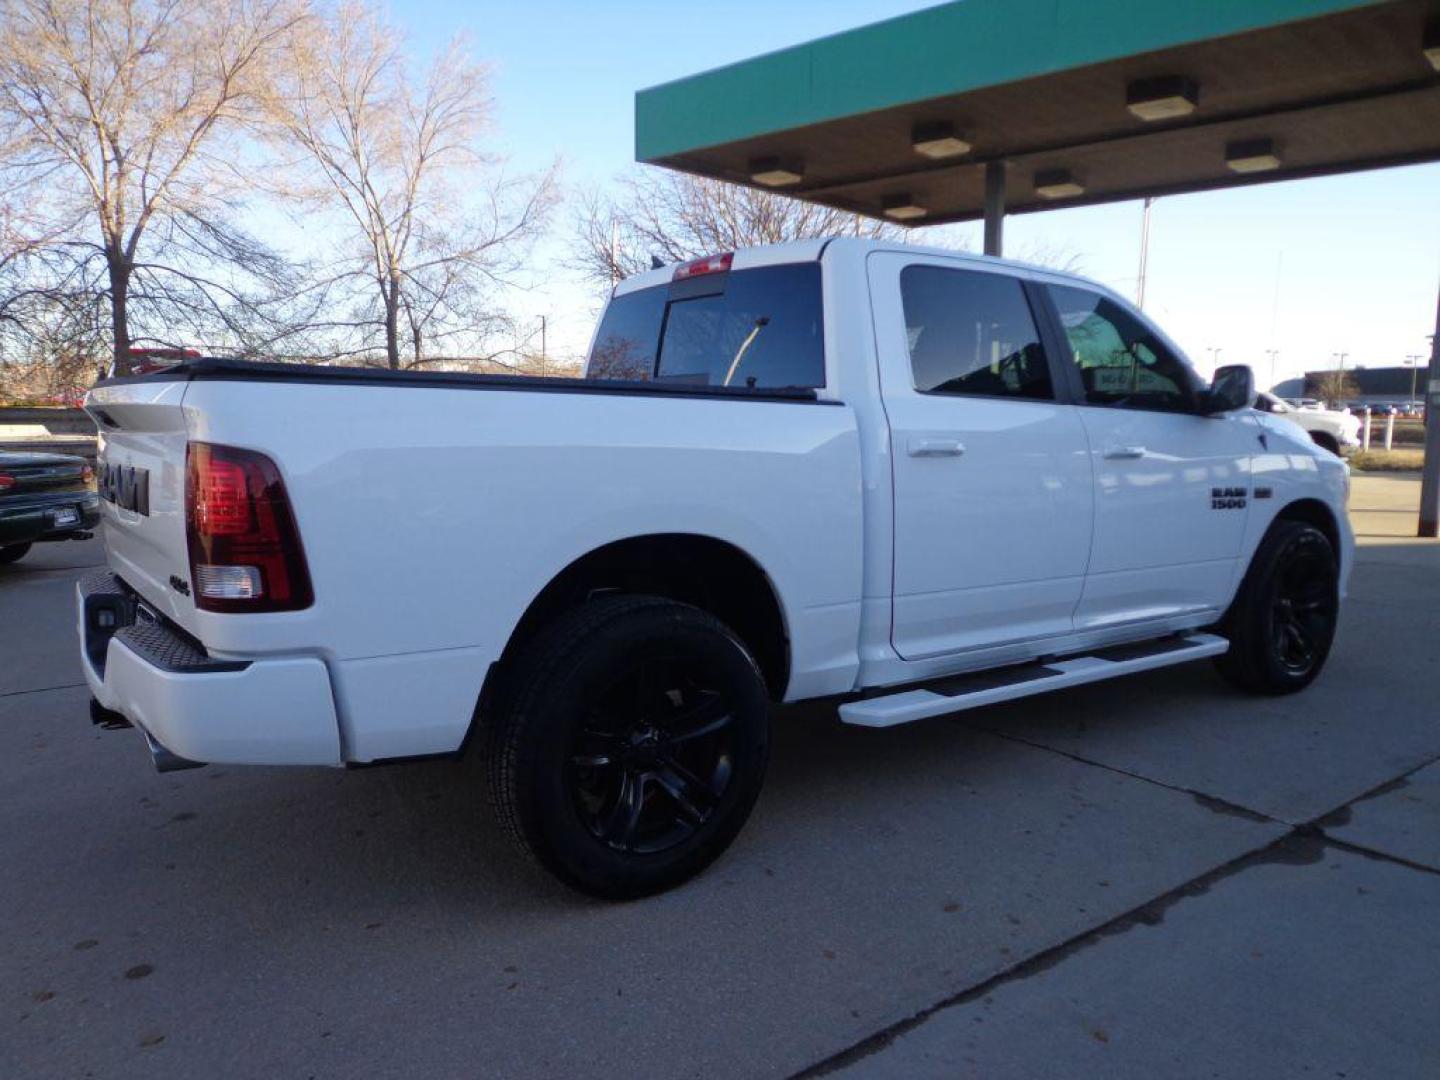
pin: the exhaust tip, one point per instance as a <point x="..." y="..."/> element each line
<point x="167" y="760"/>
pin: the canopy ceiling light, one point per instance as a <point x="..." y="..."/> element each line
<point x="902" y="207"/>
<point x="938" y="140"/>
<point x="1432" y="44"/>
<point x="1057" y="184"/>
<point x="771" y="172"/>
<point x="1252" y="155"/>
<point x="1163" y="98"/>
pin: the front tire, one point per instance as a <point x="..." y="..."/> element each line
<point x="1282" y="623"/>
<point x="630" y="745"/>
<point x="12" y="553"/>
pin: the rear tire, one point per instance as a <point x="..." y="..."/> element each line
<point x="1282" y="623"/>
<point x="629" y="746"/>
<point x="12" y="553"/>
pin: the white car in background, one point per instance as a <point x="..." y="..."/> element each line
<point x="1338" y="432"/>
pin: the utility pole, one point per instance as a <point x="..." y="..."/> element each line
<point x="1413" y="362"/>
<point x="1144" y="252"/>
<point x="1274" y="355"/>
<point x="542" y="344"/>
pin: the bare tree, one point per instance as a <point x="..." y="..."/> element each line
<point x="435" y="226"/>
<point x="121" y="122"/>
<point x="673" y="216"/>
<point x="1336" y="387"/>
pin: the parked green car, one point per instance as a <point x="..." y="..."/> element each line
<point x="44" y="497"/>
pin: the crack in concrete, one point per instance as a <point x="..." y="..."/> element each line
<point x="41" y="689"/>
<point x="1304" y="844"/>
<point x="1295" y="848"/>
<point x="1212" y="803"/>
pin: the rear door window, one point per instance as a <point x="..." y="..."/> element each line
<point x="972" y="333"/>
<point x="759" y="328"/>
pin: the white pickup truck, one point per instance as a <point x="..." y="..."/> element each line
<point x="1338" y="432"/>
<point x="911" y="481"/>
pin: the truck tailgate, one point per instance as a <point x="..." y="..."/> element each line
<point x="141" y="477"/>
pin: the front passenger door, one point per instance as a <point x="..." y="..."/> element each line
<point x="992" y="483"/>
<point x="1172" y="486"/>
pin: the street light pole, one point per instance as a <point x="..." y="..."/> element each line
<point x="1274" y="355"/>
<point x="1413" y="362"/>
<point x="1144" y="252"/>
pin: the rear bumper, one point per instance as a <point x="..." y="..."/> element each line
<point x="272" y="711"/>
<point x="26" y="524"/>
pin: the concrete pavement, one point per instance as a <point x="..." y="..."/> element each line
<point x="1151" y="877"/>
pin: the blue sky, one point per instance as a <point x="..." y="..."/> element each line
<point x="1356" y="258"/>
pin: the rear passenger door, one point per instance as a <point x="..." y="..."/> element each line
<point x="1171" y="485"/>
<point x="991" y="479"/>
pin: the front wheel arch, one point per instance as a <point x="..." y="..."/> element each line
<point x="1289" y="597"/>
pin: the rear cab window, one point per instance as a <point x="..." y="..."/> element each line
<point x="759" y="329"/>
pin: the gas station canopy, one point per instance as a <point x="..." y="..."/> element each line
<point x="1069" y="102"/>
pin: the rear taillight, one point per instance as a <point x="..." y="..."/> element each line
<point x="6" y="482"/>
<point x="245" y="552"/>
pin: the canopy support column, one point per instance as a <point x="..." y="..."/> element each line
<point x="1430" y="479"/>
<point x="994" y="208"/>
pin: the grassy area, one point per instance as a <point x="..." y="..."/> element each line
<point x="1407" y="432"/>
<point x="1400" y="459"/>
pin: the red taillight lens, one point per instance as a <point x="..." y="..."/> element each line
<point x="6" y="481"/>
<point x="711" y="264"/>
<point x="245" y="552"/>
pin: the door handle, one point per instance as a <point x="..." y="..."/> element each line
<point x="935" y="447"/>
<point x="1124" y="453"/>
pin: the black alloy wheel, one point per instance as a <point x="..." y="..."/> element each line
<point x="1305" y="608"/>
<point x="629" y="744"/>
<point x="1283" y="620"/>
<point x="652" y="762"/>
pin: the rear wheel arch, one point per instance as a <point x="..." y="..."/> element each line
<point x="713" y="575"/>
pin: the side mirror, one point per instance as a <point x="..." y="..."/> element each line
<point x="1232" y="388"/>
